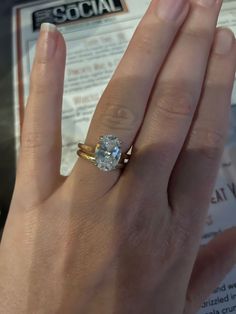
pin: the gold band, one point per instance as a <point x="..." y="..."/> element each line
<point x="91" y="158"/>
<point x="91" y="151"/>
<point x="85" y="156"/>
<point x="86" y="148"/>
<point x="106" y="154"/>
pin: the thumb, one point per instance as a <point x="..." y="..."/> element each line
<point x="213" y="263"/>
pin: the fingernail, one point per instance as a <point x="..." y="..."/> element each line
<point x="206" y="3"/>
<point x="47" y="41"/>
<point x="170" y="9"/>
<point x="224" y="41"/>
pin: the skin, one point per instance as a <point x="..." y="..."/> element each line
<point x="126" y="241"/>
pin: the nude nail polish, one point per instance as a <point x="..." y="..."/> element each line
<point x="48" y="27"/>
<point x="47" y="41"/>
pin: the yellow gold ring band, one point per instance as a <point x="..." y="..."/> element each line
<point x="91" y="151"/>
<point x="92" y="159"/>
<point x="106" y="155"/>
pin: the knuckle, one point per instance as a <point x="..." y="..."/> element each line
<point x="199" y="34"/>
<point x="32" y="140"/>
<point x="216" y="84"/>
<point x="173" y="100"/>
<point x="145" y="43"/>
<point x="117" y="116"/>
<point x="211" y="142"/>
<point x="211" y="84"/>
<point x="37" y="88"/>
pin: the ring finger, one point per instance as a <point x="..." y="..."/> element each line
<point x="121" y="109"/>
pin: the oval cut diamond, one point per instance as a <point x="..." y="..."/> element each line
<point x="108" y="153"/>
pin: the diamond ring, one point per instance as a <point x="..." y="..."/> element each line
<point x="107" y="154"/>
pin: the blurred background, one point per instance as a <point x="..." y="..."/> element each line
<point x="7" y="145"/>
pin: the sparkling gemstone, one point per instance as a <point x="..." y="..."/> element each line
<point x="108" y="153"/>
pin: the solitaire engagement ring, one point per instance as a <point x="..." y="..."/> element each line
<point x="106" y="155"/>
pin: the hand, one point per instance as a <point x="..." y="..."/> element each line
<point x="126" y="241"/>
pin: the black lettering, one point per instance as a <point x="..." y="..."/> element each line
<point x="232" y="188"/>
<point x="76" y="11"/>
<point x="59" y="14"/>
<point x="103" y="6"/>
<point x="114" y="7"/>
<point x="73" y="13"/>
<point x="219" y="196"/>
<point x="232" y="286"/>
<point x="223" y="194"/>
<point x="85" y="9"/>
<point x="94" y="6"/>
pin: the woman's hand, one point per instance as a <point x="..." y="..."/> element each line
<point x="126" y="241"/>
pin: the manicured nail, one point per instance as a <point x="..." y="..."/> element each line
<point x="206" y="3"/>
<point x="170" y="9"/>
<point x="47" y="42"/>
<point x="224" y="41"/>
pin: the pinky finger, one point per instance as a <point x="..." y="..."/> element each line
<point x="213" y="263"/>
